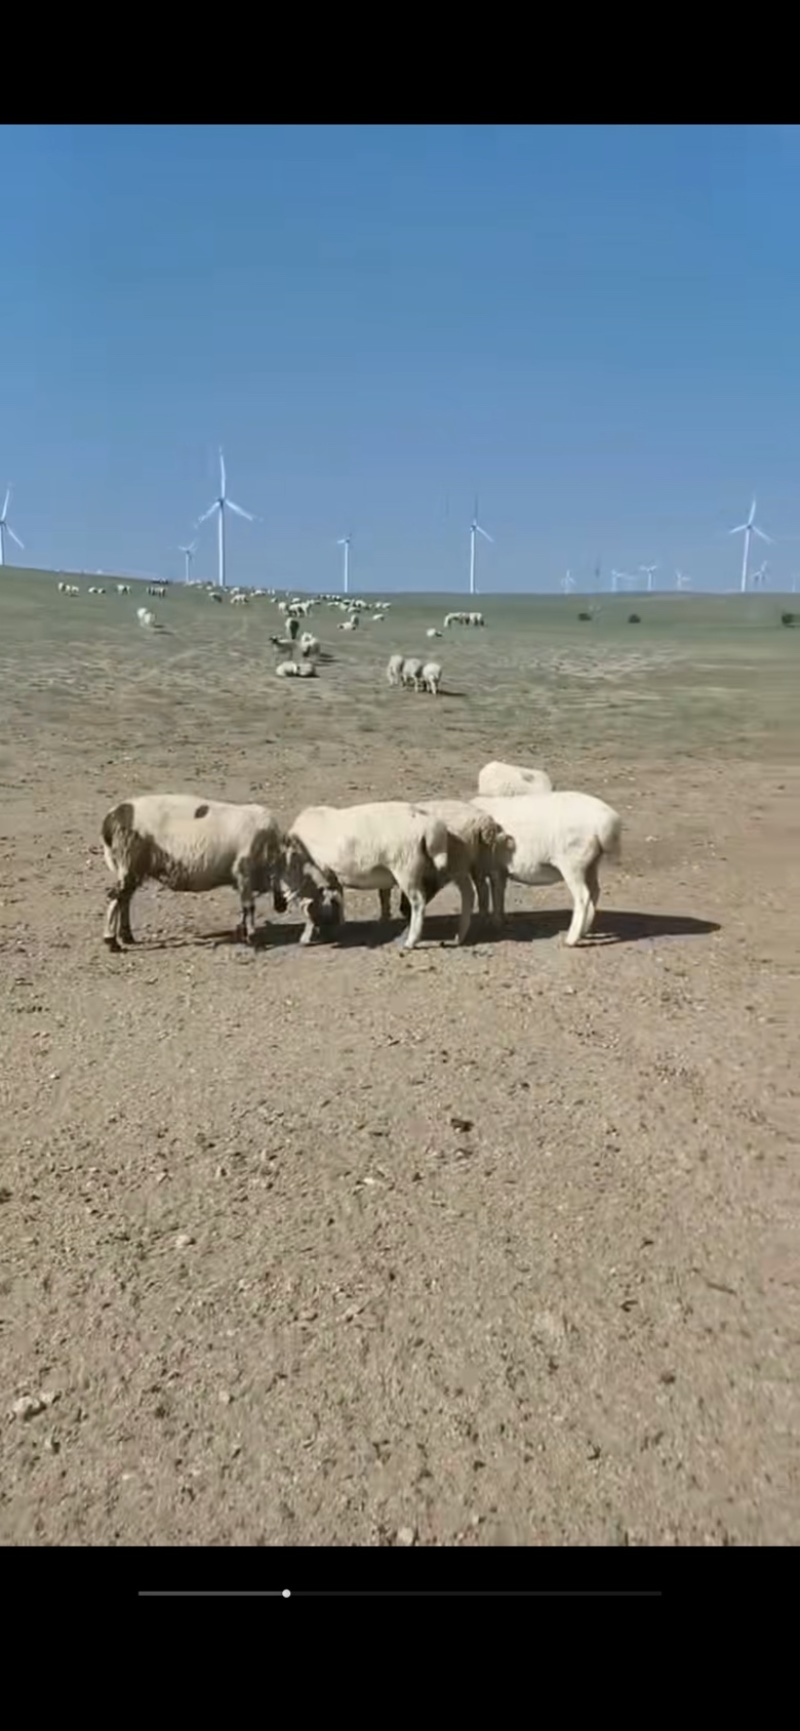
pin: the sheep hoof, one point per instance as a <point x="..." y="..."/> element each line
<point x="114" y="948"/>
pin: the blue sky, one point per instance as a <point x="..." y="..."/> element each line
<point x="594" y="327"/>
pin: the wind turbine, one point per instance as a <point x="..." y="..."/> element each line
<point x="618" y="577"/>
<point x="344" y="541"/>
<point x="760" y="576"/>
<point x="682" y="581"/>
<point x="5" y="528"/>
<point x="567" y="582"/>
<point x="223" y="504"/>
<point x="648" y="572"/>
<point x="475" y="530"/>
<point x="748" y="529"/>
<point x="188" y="555"/>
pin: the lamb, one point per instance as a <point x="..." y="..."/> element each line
<point x="502" y="780"/>
<point x="188" y="843"/>
<point x="309" y="646"/>
<point x="488" y="850"/>
<point x="411" y="672"/>
<point x="296" y="670"/>
<point x="394" y="669"/>
<point x="557" y="835"/>
<point x="373" y="847"/>
<point x="432" y="677"/>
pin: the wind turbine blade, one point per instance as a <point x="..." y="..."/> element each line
<point x="761" y="534"/>
<point x="740" y="528"/>
<point x="15" y="537"/>
<point x="222" y="475"/>
<point x="239" y="512"/>
<point x="208" y="513"/>
<point x="6" y="505"/>
<point x="483" y="533"/>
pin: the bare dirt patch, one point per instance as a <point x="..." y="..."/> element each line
<point x="495" y="1245"/>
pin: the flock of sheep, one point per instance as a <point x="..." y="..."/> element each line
<point x="516" y="827"/>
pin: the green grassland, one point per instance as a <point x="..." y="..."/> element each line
<point x="699" y="675"/>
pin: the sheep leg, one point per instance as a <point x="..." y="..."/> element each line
<point x="467" y="904"/>
<point x="482" y="890"/>
<point x="386" y="904"/>
<point x="593" y="886"/>
<point x="242" y="877"/>
<point x="575" y="880"/>
<point x="309" y="930"/>
<point x="499" y="880"/>
<point x="118" y="913"/>
<point x="417" y="905"/>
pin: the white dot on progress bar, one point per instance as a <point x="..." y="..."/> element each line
<point x="286" y="1594"/>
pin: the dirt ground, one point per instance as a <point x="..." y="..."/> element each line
<point x="485" y="1246"/>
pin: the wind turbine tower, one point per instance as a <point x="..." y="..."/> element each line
<point x="648" y="572"/>
<point x="344" y="542"/>
<point x="221" y="505"/>
<point x="474" y="531"/>
<point x="188" y="555"/>
<point x="6" y="529"/>
<point x="748" y="529"/>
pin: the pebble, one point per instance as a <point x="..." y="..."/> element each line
<point x="406" y="1536"/>
<point x="183" y="1240"/>
<point x="30" y="1405"/>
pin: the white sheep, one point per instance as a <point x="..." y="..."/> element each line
<point x="411" y="672"/>
<point x="310" y="647"/>
<point x="502" y="780"/>
<point x="487" y="856"/>
<point x="432" y="677"/>
<point x="373" y="847"/>
<point x="394" y="669"/>
<point x="144" y="617"/>
<point x="558" y="835"/>
<point x="432" y="632"/>
<point x="188" y="843"/>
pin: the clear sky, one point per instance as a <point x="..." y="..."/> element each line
<point x="597" y="328"/>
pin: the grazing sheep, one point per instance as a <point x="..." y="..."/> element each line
<point x="394" y="669"/>
<point x="372" y="847"/>
<point x="502" y="780"/>
<point x="310" y="647"/>
<point x="432" y="677"/>
<point x="558" y="835"/>
<point x="123" y="588"/>
<point x="411" y="672"/>
<point x="489" y="850"/>
<point x="349" y="624"/>
<point x="144" y="617"/>
<point x="188" y="843"/>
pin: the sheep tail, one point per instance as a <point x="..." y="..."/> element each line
<point x="434" y="844"/>
<point x="610" y="838"/>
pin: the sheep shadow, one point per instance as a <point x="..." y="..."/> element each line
<point x="612" y="926"/>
